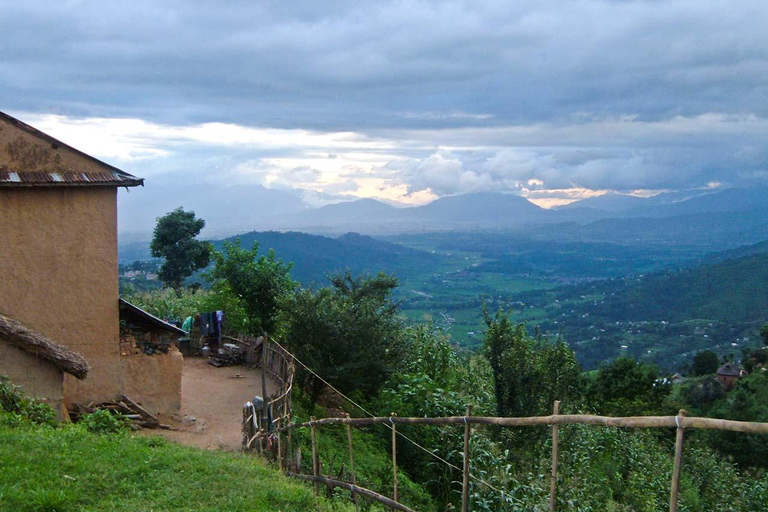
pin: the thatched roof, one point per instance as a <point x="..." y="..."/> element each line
<point x="729" y="370"/>
<point x="21" y="336"/>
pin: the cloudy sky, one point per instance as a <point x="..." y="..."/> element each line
<point x="400" y="101"/>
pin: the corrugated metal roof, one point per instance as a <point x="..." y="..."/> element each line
<point x="111" y="176"/>
<point x="52" y="179"/>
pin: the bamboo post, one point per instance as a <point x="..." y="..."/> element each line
<point x="394" y="454"/>
<point x="315" y="461"/>
<point x="352" y="464"/>
<point x="247" y="427"/>
<point x="465" y="482"/>
<point x="288" y="451"/>
<point x="555" y="451"/>
<point x="265" y="400"/>
<point x="678" y="461"/>
<point x="279" y="422"/>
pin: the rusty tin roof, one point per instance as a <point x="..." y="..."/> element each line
<point x="109" y="176"/>
<point x="31" y="179"/>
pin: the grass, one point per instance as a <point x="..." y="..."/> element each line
<point x="67" y="469"/>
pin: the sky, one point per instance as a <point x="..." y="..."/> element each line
<point x="404" y="102"/>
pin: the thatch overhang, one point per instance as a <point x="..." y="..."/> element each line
<point x="19" y="335"/>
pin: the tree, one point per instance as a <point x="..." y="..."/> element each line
<point x="529" y="373"/>
<point x="705" y="363"/>
<point x="626" y="387"/>
<point x="262" y="283"/>
<point x="348" y="333"/>
<point x="764" y="333"/>
<point x="174" y="240"/>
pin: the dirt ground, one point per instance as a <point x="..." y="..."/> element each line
<point x="211" y="404"/>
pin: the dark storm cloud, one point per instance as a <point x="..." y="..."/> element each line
<point x="378" y="64"/>
<point x="463" y="95"/>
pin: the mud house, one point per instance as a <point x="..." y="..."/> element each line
<point x="58" y="258"/>
<point x="728" y="374"/>
<point x="151" y="361"/>
<point x="37" y="364"/>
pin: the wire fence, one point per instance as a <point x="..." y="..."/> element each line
<point x="271" y="442"/>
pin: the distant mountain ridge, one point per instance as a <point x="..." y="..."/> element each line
<point x="239" y="209"/>
<point x="314" y="256"/>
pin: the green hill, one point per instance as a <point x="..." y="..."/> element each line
<point x="315" y="256"/>
<point x="664" y="317"/>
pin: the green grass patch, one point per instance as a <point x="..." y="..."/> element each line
<point x="68" y="469"/>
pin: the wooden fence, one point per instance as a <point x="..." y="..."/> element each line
<point x="680" y="422"/>
<point x="278" y="363"/>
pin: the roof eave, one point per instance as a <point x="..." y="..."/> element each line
<point x="42" y="135"/>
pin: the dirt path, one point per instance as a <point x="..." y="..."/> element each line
<point x="211" y="404"/>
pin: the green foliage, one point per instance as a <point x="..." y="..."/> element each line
<point x="698" y="394"/>
<point x="748" y="402"/>
<point x="262" y="284"/>
<point x="764" y="333"/>
<point x="349" y="333"/>
<point x="21" y="408"/>
<point x="169" y="304"/>
<point x="174" y="240"/>
<point x="104" y="422"/>
<point x="705" y="362"/>
<point x="626" y="388"/>
<point x="529" y="374"/>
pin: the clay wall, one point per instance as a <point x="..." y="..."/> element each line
<point x="155" y="380"/>
<point x="37" y="377"/>
<point x="58" y="268"/>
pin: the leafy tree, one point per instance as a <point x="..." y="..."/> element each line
<point x="174" y="240"/>
<point x="764" y="333"/>
<point x="705" y="363"/>
<point x="262" y="283"/>
<point x="349" y="333"/>
<point x="529" y="374"/>
<point x="627" y="387"/>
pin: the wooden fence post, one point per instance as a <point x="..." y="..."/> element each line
<point x="465" y="482"/>
<point x="555" y="451"/>
<point x="247" y="427"/>
<point x="264" y="398"/>
<point x="394" y="454"/>
<point x="279" y="422"/>
<point x="289" y="452"/>
<point x="315" y="462"/>
<point x="678" y="462"/>
<point x="352" y="464"/>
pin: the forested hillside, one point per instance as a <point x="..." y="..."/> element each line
<point x="662" y="317"/>
<point x="314" y="257"/>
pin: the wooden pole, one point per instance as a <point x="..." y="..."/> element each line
<point x="555" y="451"/>
<point x="279" y="445"/>
<point x="360" y="490"/>
<point x="465" y="482"/>
<point x="265" y="400"/>
<point x="247" y="427"/>
<point x="289" y="452"/>
<point x="352" y="465"/>
<point x="394" y="454"/>
<point x="678" y="462"/>
<point x="315" y="462"/>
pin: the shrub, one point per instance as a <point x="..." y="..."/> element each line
<point x="104" y="422"/>
<point x="13" y="401"/>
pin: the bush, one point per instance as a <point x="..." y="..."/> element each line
<point x="13" y="401"/>
<point x="104" y="422"/>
